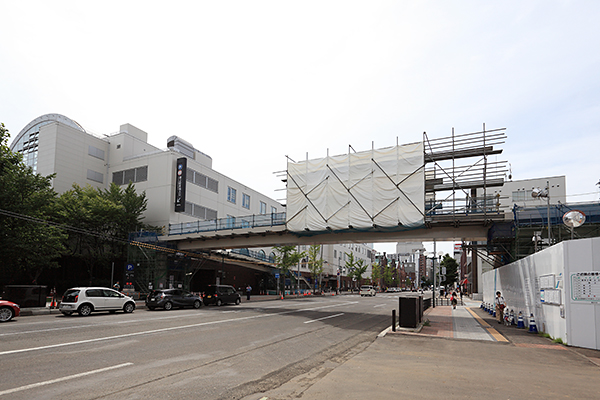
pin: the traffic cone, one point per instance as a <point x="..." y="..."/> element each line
<point x="532" y="325"/>
<point x="512" y="317"/>
<point x="481" y="305"/>
<point x="520" y="322"/>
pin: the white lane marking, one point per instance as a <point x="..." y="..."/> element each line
<point x="65" y="378"/>
<point x="321" y="319"/>
<point x="52" y="346"/>
<point x="109" y="323"/>
<point x="380" y="305"/>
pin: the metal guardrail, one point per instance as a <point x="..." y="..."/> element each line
<point x="221" y="224"/>
<point x="254" y="254"/>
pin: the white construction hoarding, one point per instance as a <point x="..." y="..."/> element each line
<point x="383" y="188"/>
<point x="560" y="286"/>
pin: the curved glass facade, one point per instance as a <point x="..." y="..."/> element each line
<point x="27" y="140"/>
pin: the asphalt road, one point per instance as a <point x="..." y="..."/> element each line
<point x="211" y="353"/>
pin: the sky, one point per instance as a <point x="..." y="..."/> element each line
<point x="251" y="82"/>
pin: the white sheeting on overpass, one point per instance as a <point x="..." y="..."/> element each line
<point x="382" y="188"/>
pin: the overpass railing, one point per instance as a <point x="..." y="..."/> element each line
<point x="259" y="255"/>
<point x="221" y="224"/>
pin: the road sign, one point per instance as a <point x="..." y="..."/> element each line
<point x="129" y="267"/>
<point x="276" y="276"/>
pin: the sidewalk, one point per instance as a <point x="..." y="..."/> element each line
<point x="460" y="353"/>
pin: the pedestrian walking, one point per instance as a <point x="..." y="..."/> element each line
<point x="117" y="286"/>
<point x="500" y="306"/>
<point x="453" y="300"/>
<point x="248" y="290"/>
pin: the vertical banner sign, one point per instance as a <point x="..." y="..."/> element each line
<point x="180" y="184"/>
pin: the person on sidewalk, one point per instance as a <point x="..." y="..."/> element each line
<point x="248" y="290"/>
<point x="500" y="306"/>
<point x="453" y="300"/>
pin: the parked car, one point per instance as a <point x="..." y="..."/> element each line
<point x="367" y="290"/>
<point x="85" y="300"/>
<point x="8" y="310"/>
<point x="169" y="298"/>
<point x="221" y="294"/>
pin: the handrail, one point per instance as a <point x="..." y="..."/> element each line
<point x="220" y="224"/>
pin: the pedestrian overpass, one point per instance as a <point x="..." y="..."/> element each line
<point x="436" y="189"/>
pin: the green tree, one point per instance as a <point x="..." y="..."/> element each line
<point x="356" y="267"/>
<point x="286" y="257"/>
<point x="388" y="275"/>
<point x="315" y="262"/>
<point x="451" y="270"/>
<point x="375" y="274"/>
<point x="29" y="243"/>
<point x="103" y="219"/>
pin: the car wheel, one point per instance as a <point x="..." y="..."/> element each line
<point x="67" y="313"/>
<point x="6" y="314"/>
<point x="219" y="303"/>
<point x="151" y="308"/>
<point x="129" y="307"/>
<point x="85" y="310"/>
<point x="237" y="301"/>
<point x="168" y="306"/>
<point x="197" y="304"/>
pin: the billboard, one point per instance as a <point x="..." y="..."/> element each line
<point x="180" y="181"/>
<point x="379" y="188"/>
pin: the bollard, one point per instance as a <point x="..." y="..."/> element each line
<point x="394" y="320"/>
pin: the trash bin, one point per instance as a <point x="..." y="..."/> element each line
<point x="25" y="295"/>
<point x="410" y="311"/>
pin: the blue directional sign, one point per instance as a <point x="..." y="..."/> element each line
<point x="129" y="267"/>
<point x="276" y="276"/>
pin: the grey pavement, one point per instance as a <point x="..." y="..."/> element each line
<point x="459" y="354"/>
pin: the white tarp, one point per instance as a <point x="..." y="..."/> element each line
<point x="375" y="188"/>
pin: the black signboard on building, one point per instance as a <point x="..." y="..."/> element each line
<point x="180" y="184"/>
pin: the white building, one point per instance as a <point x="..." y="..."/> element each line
<point x="55" y="144"/>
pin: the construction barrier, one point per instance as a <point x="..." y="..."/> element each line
<point x="520" y="322"/>
<point x="532" y="325"/>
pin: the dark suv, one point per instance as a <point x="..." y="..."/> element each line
<point x="169" y="298"/>
<point x="221" y="294"/>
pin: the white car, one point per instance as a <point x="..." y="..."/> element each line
<point x="367" y="290"/>
<point x="85" y="300"/>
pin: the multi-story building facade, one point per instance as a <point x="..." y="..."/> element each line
<point x="55" y="144"/>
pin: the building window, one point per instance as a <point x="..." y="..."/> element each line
<point x="95" y="176"/>
<point x="133" y="175"/>
<point x="200" y="212"/>
<point x="273" y="210"/>
<point x="245" y="201"/>
<point x="202" y="180"/>
<point x="96" y="152"/>
<point x="231" y="193"/>
<point x="521" y="195"/>
<point x="263" y="207"/>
